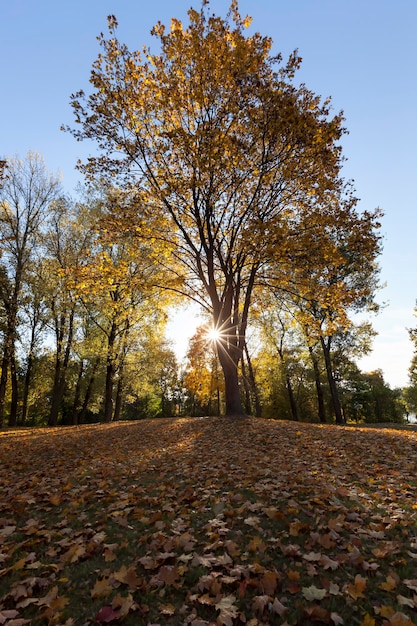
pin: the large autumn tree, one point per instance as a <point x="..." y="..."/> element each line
<point x="214" y="134"/>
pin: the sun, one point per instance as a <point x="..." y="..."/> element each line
<point x="213" y="334"/>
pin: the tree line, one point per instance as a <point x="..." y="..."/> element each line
<point x="218" y="179"/>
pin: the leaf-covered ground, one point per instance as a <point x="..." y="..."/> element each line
<point x="208" y="521"/>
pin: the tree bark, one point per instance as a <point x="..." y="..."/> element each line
<point x="319" y="388"/>
<point x="253" y="385"/>
<point x="332" y="382"/>
<point x="88" y="391"/>
<point x="77" y="394"/>
<point x="61" y="366"/>
<point x="15" y="392"/>
<point x="291" y="397"/>
<point x="110" y="373"/>
<point x="26" y="387"/>
<point x="233" y="400"/>
<point x="118" y="405"/>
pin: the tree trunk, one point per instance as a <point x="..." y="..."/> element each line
<point x="110" y="373"/>
<point x="8" y="350"/>
<point x="26" y="388"/>
<point x="88" y="391"/>
<point x="233" y="401"/>
<point x="77" y="394"/>
<point x="319" y="388"/>
<point x="119" y="400"/>
<point x="332" y="382"/>
<point x="3" y="382"/>
<point x="15" y="393"/>
<point x="248" y="407"/>
<point x="254" y="386"/>
<point x="293" y="403"/>
<point x="61" y="366"/>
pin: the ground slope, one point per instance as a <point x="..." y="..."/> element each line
<point x="208" y="521"/>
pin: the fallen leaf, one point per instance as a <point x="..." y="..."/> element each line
<point x="106" y="615"/>
<point x="101" y="589"/>
<point x="313" y="593"/>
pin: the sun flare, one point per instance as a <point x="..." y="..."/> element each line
<point x="213" y="335"/>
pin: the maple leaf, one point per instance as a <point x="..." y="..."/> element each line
<point x="128" y="576"/>
<point x="168" y="574"/>
<point x="400" y="619"/>
<point x="123" y="604"/>
<point x="356" y="589"/>
<point x="403" y="601"/>
<point x="313" y="593"/>
<point x="228" y="610"/>
<point x="411" y="584"/>
<point x="268" y="583"/>
<point x="389" y="585"/>
<point x="278" y="608"/>
<point x="252" y="520"/>
<point x="101" y="589"/>
<point x="259" y="603"/>
<point x="256" y="544"/>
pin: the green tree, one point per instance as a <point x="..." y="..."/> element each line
<point x="26" y="198"/>
<point x="215" y="136"/>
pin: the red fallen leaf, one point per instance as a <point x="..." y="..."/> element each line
<point x="106" y="615"/>
<point x="242" y="589"/>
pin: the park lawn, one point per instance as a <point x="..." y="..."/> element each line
<point x="208" y="521"/>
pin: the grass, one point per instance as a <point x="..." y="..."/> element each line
<point x="208" y="521"/>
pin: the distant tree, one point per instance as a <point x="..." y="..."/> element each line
<point x="382" y="404"/>
<point x="34" y="319"/>
<point x="202" y="375"/>
<point x="409" y="397"/>
<point x="26" y="197"/>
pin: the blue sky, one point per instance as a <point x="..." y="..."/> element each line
<point x="362" y="53"/>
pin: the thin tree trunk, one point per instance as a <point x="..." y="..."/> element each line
<point x="77" y="394"/>
<point x="319" y="388"/>
<point x="118" y="405"/>
<point x="8" y="349"/>
<point x="15" y="393"/>
<point x="332" y="382"/>
<point x="26" y="388"/>
<point x="248" y="407"/>
<point x="60" y="374"/>
<point x="3" y="382"/>
<point x="293" y="403"/>
<point x="254" y="386"/>
<point x="83" y="413"/>
<point x="110" y="373"/>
